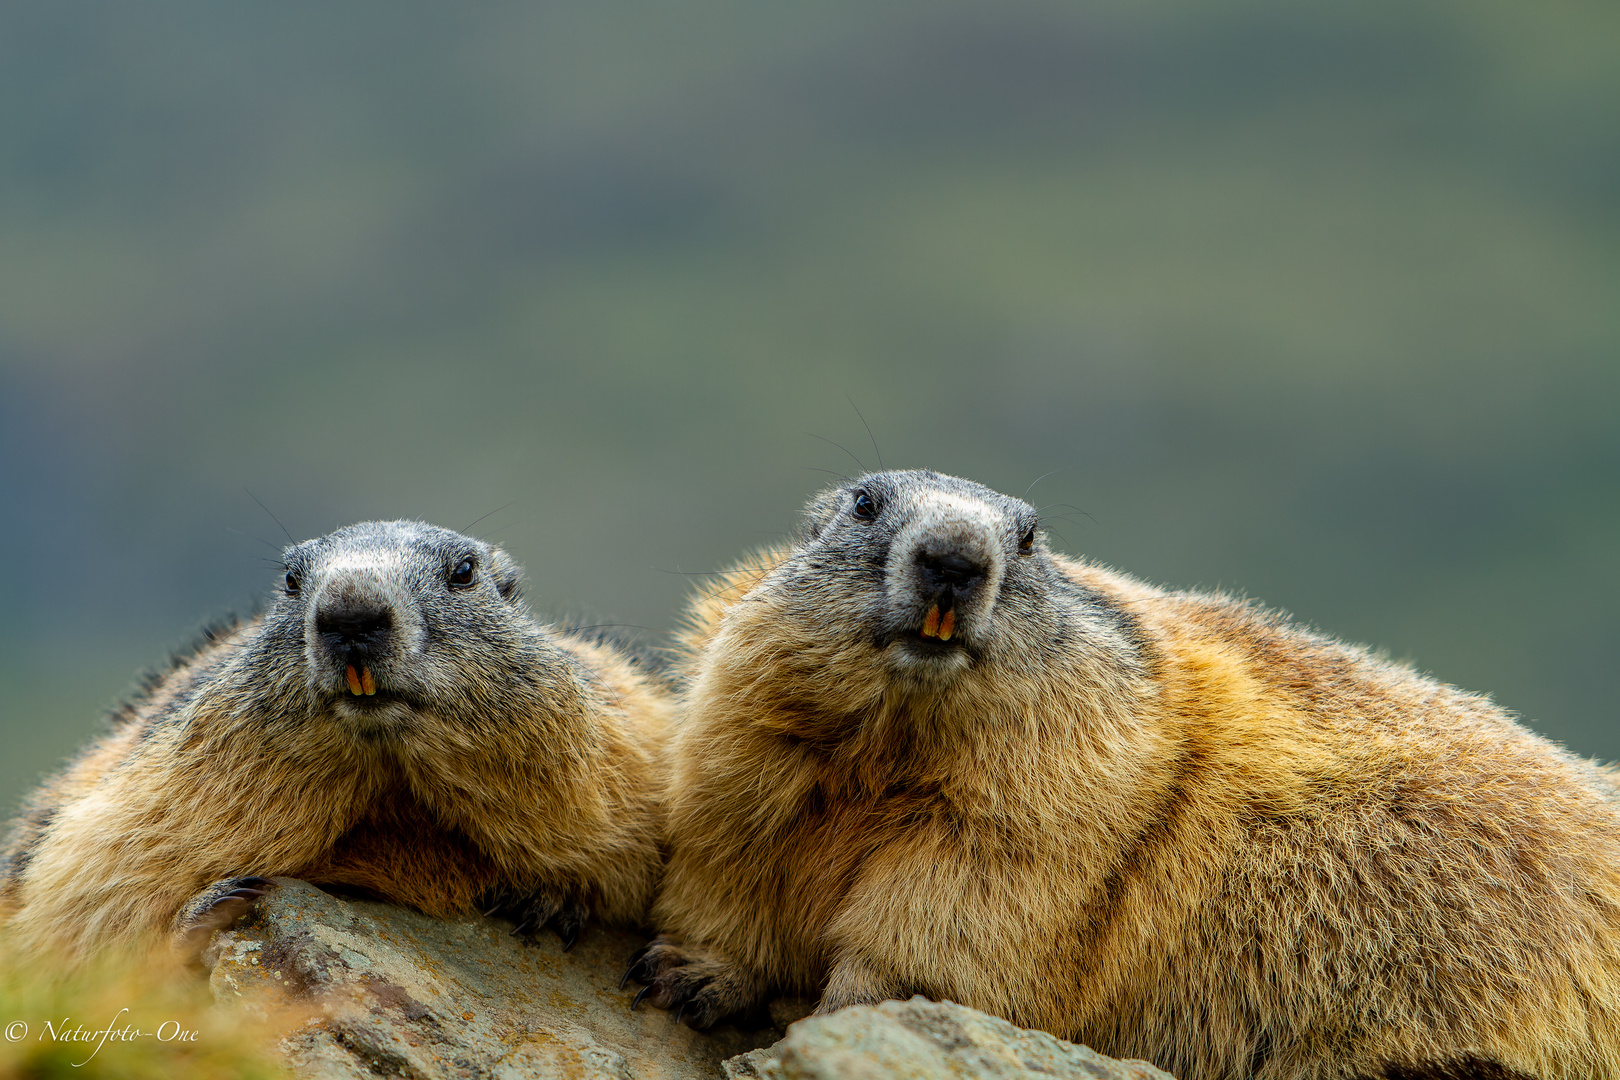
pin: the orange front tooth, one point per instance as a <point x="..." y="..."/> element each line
<point x="367" y="683"/>
<point x="930" y="626"/>
<point x="354" y="681"/>
<point x="947" y="625"/>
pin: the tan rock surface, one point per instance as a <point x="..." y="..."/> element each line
<point x="926" y="1040"/>
<point x="400" y="994"/>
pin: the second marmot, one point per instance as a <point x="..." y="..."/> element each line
<point x="394" y="723"/>
<point x="924" y="754"/>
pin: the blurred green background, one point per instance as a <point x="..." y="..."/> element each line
<point x="1317" y="302"/>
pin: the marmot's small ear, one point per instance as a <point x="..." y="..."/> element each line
<point x="507" y="574"/>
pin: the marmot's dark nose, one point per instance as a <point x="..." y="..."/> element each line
<point x="952" y="568"/>
<point x="355" y="628"/>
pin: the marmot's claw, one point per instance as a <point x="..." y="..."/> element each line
<point x="652" y="960"/>
<point x="635" y="966"/>
<point x="250" y="894"/>
<point x="692" y="1004"/>
<point x="697" y="1001"/>
<point x="219" y="907"/>
<point x="702" y="988"/>
<point x="567" y="922"/>
<point x="532" y="912"/>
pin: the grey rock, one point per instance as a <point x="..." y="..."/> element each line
<point x="394" y="993"/>
<point x="754" y="1065"/>
<point x="926" y="1040"/>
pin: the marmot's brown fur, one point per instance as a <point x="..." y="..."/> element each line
<point x="923" y="754"/>
<point x="394" y="723"/>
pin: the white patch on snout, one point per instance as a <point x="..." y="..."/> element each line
<point x="944" y="521"/>
<point x="385" y="563"/>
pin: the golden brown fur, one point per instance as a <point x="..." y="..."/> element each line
<point x="1195" y="833"/>
<point x="519" y="766"/>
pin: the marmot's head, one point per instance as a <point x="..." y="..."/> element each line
<point x="386" y="622"/>
<point x="917" y="582"/>
<point x="939" y="552"/>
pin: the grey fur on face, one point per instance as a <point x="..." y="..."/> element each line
<point x="385" y="619"/>
<point x="946" y="572"/>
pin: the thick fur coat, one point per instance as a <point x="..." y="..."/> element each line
<point x="1173" y="826"/>
<point x="393" y="724"/>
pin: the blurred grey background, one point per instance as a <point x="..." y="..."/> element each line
<point x="1316" y="302"/>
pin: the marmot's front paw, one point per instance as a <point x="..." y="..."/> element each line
<point x="532" y="912"/>
<point x="218" y="907"/>
<point x="703" y="986"/>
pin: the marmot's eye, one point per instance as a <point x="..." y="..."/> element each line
<point x="463" y="574"/>
<point x="1026" y="543"/>
<point x="864" y="509"/>
<point x="292" y="583"/>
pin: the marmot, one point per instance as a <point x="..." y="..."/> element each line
<point x="393" y="724"/>
<point x="921" y="753"/>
